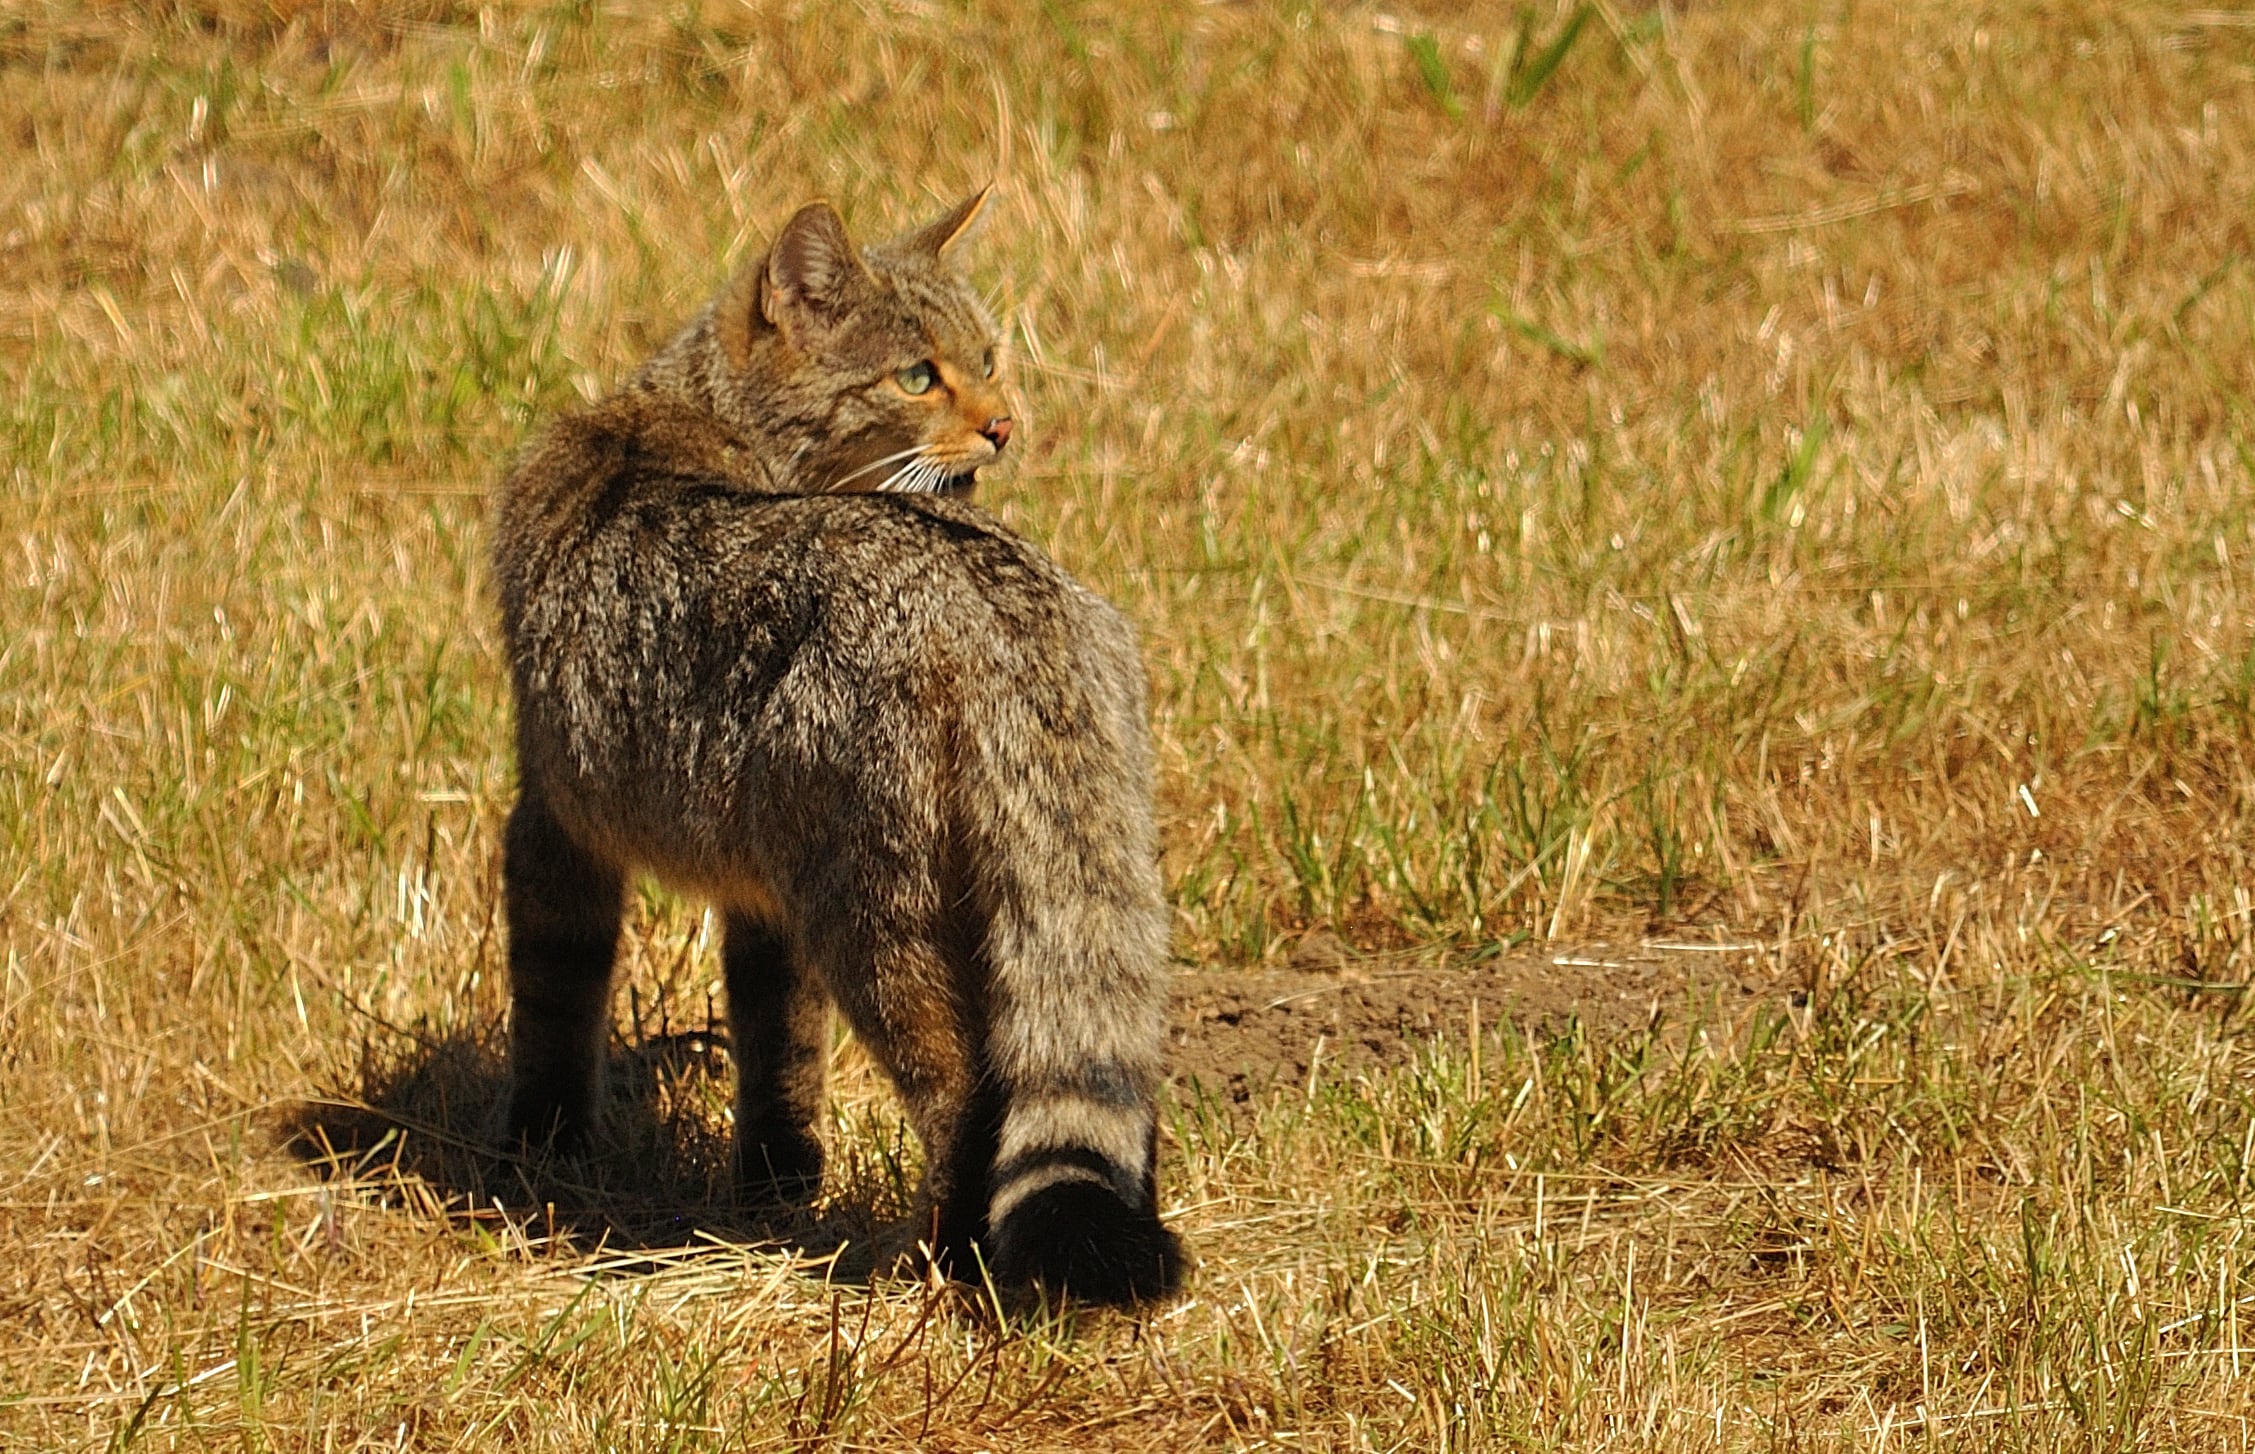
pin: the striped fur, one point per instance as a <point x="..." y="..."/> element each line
<point x="765" y="650"/>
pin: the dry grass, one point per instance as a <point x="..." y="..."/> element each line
<point x="1780" y="472"/>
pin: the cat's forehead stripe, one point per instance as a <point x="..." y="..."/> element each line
<point x="949" y="303"/>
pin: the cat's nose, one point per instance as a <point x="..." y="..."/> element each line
<point x="997" y="432"/>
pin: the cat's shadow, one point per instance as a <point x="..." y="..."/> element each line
<point x="417" y="1126"/>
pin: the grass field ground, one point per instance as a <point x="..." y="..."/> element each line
<point x="1776" y="475"/>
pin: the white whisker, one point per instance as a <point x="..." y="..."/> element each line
<point x="876" y="464"/>
<point x="911" y="478"/>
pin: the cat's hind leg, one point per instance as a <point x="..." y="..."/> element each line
<point x="563" y="906"/>
<point x="779" y="1034"/>
<point x="904" y="993"/>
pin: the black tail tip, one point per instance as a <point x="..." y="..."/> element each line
<point x="1076" y="1239"/>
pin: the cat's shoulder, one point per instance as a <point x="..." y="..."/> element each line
<point x="636" y="432"/>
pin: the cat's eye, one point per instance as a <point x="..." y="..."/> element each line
<point x="987" y="364"/>
<point x="917" y="378"/>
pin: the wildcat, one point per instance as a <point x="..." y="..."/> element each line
<point x="765" y="650"/>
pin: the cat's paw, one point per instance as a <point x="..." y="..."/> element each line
<point x="541" y="1122"/>
<point x="781" y="1167"/>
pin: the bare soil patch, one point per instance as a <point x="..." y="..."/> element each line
<point x="1239" y="1033"/>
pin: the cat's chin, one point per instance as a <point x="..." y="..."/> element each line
<point x="958" y="487"/>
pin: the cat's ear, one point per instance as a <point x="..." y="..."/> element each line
<point x="814" y="277"/>
<point x="959" y="222"/>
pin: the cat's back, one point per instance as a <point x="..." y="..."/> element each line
<point x="680" y="633"/>
<point x="878" y="603"/>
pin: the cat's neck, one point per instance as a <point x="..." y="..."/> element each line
<point x="692" y="370"/>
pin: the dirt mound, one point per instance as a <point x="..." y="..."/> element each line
<point x="1238" y="1033"/>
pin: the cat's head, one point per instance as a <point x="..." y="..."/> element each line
<point x="861" y="369"/>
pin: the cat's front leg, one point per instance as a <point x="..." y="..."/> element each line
<point x="563" y="906"/>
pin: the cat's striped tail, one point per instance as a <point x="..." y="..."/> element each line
<point x="1076" y="987"/>
<point x="1072" y="1060"/>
